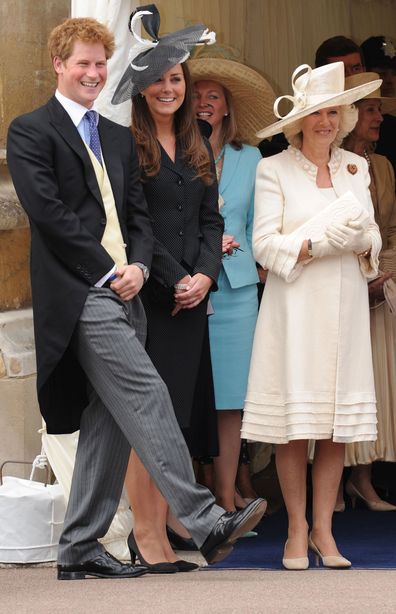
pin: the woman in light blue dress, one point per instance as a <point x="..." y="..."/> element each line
<point x="235" y="304"/>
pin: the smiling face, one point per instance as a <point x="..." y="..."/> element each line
<point x="83" y="75"/>
<point x="370" y="120"/>
<point x="165" y="96"/>
<point x="209" y="102"/>
<point x="320" y="128"/>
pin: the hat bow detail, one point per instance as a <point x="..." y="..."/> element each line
<point x="299" y="98"/>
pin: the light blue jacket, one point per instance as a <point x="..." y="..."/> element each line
<point x="236" y="186"/>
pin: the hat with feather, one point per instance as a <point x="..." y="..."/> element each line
<point x="149" y="59"/>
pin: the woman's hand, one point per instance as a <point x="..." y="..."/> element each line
<point x="180" y="287"/>
<point x="229" y="244"/>
<point x="197" y="288"/>
<point x="350" y="237"/>
<point x="262" y="273"/>
<point x="376" y="288"/>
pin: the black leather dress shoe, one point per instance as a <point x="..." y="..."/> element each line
<point x="102" y="566"/>
<point x="229" y="527"/>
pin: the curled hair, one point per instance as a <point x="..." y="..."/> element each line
<point x="187" y="133"/>
<point x="85" y="29"/>
<point x="348" y="119"/>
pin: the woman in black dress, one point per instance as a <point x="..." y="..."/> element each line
<point x="178" y="177"/>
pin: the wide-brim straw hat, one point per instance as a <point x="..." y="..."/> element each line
<point x="149" y="59"/>
<point x="252" y="95"/>
<point x="388" y="104"/>
<point x="317" y="89"/>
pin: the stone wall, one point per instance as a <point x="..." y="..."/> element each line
<point x="26" y="82"/>
<point x="19" y="414"/>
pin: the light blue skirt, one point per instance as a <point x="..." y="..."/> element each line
<point x="231" y="331"/>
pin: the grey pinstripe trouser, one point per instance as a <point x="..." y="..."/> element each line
<point x="129" y="406"/>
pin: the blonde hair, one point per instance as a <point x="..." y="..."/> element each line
<point x="62" y="38"/>
<point x="348" y="118"/>
<point x="229" y="128"/>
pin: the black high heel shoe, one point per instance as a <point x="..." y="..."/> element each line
<point x="183" y="565"/>
<point x="165" y="567"/>
<point x="178" y="542"/>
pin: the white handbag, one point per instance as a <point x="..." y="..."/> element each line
<point x="31" y="519"/>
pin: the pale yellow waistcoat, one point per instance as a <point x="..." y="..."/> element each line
<point x="112" y="239"/>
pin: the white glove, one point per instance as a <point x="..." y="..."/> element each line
<point x="323" y="248"/>
<point x="351" y="237"/>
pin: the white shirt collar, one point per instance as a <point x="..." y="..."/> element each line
<point x="72" y="108"/>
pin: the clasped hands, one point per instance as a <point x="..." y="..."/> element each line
<point x="350" y="237"/>
<point x="190" y="291"/>
<point x="229" y="245"/>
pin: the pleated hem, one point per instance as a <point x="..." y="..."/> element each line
<point x="348" y="423"/>
<point x="265" y="438"/>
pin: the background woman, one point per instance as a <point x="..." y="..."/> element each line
<point x="178" y="177"/>
<point x="382" y="322"/>
<point x="234" y="120"/>
<point x="311" y="372"/>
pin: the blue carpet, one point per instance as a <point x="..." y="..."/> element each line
<point x="368" y="539"/>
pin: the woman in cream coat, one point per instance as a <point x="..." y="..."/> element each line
<point x="311" y="372"/>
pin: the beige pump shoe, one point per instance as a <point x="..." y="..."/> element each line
<point x="374" y="506"/>
<point x="297" y="564"/>
<point x="333" y="561"/>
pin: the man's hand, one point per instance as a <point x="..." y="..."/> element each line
<point x="129" y="281"/>
<point x="197" y="288"/>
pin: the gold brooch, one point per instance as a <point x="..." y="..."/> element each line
<point x="352" y="168"/>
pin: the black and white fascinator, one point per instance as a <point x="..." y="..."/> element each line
<point x="149" y="59"/>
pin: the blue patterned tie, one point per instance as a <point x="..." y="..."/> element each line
<point x="94" y="141"/>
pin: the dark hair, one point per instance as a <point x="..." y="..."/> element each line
<point x="375" y="52"/>
<point x="186" y="129"/>
<point x="334" y="47"/>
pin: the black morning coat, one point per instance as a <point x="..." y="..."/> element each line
<point x="56" y="184"/>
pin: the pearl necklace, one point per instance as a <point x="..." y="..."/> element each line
<point x="367" y="157"/>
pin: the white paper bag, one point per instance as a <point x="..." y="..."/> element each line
<point x="31" y="520"/>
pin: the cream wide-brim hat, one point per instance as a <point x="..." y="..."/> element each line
<point x="388" y="104"/>
<point x="317" y="89"/>
<point x="252" y="95"/>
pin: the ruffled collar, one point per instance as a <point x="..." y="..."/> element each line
<point x="309" y="167"/>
